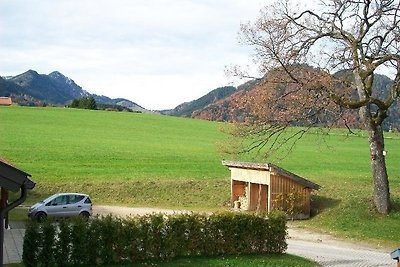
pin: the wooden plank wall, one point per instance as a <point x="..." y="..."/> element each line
<point x="281" y="185"/>
<point x="253" y="198"/>
<point x="263" y="197"/>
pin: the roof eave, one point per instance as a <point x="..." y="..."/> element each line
<point x="270" y="167"/>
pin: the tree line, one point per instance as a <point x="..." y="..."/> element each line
<point x="84" y="103"/>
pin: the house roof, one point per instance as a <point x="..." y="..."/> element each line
<point x="271" y="168"/>
<point x="5" y="100"/>
<point x="12" y="178"/>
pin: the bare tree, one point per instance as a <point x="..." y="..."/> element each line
<point x="360" y="36"/>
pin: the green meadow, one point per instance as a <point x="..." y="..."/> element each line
<point x="160" y="161"/>
<point x="118" y="158"/>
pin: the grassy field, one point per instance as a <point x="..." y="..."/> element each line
<point x="125" y="158"/>
<point x="152" y="160"/>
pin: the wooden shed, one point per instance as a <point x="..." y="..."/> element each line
<point x="266" y="187"/>
<point x="5" y="101"/>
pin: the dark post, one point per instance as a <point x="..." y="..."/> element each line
<point x="3" y="213"/>
<point x="3" y="204"/>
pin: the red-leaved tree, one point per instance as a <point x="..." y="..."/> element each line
<point x="300" y="50"/>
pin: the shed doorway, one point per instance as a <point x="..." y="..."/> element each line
<point x="250" y="196"/>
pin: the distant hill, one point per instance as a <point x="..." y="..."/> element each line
<point x="32" y="88"/>
<point x="8" y="88"/>
<point x="217" y="104"/>
<point x="54" y="88"/>
<point x="188" y="108"/>
<point x="212" y="106"/>
<point x="221" y="109"/>
<point x="119" y="102"/>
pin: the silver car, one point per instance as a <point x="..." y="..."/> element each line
<point x="62" y="205"/>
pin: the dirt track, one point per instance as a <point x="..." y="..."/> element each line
<point x="125" y="211"/>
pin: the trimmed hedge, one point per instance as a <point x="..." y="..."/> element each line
<point x="109" y="240"/>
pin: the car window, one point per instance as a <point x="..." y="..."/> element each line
<point x="88" y="201"/>
<point x="75" y="198"/>
<point x="60" y="200"/>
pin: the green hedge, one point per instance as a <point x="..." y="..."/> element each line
<point x="110" y="240"/>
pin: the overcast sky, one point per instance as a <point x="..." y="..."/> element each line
<point x="157" y="53"/>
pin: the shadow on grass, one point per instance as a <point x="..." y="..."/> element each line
<point x="321" y="203"/>
<point x="395" y="202"/>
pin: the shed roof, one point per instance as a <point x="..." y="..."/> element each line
<point x="12" y="178"/>
<point x="271" y="168"/>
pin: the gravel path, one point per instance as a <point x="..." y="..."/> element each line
<point x="321" y="248"/>
<point x="125" y="211"/>
<point x="330" y="251"/>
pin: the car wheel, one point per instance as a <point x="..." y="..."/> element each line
<point x="85" y="214"/>
<point x="41" y="216"/>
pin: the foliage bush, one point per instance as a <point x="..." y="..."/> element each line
<point x="63" y="247"/>
<point x="31" y="245"/>
<point x="47" y="244"/>
<point x="109" y="240"/>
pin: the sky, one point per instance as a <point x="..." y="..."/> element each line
<point x="156" y="53"/>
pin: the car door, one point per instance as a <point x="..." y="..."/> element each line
<point x="58" y="206"/>
<point x="75" y="204"/>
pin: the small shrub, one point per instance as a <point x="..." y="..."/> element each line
<point x="47" y="242"/>
<point x="93" y="242"/>
<point x="174" y="239"/>
<point x="63" y="244"/>
<point x="157" y="235"/>
<point x="79" y="237"/>
<point x="108" y="239"/>
<point x="290" y="203"/>
<point x="31" y="245"/>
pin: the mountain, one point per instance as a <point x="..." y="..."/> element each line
<point x="222" y="109"/>
<point x="67" y="86"/>
<point x="218" y="105"/>
<point x="188" y="108"/>
<point x="8" y="88"/>
<point x="119" y="102"/>
<point x="215" y="105"/>
<point x="54" y="88"/>
<point x="32" y="88"/>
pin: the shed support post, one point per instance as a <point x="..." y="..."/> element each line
<point x="3" y="204"/>
<point x="3" y="212"/>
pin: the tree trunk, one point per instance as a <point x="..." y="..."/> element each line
<point x="378" y="165"/>
<point x="376" y="147"/>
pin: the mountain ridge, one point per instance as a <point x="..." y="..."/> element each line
<point x="187" y="109"/>
<point x="222" y="108"/>
<point x="32" y="88"/>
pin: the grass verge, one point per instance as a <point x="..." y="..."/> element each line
<point x="251" y="260"/>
